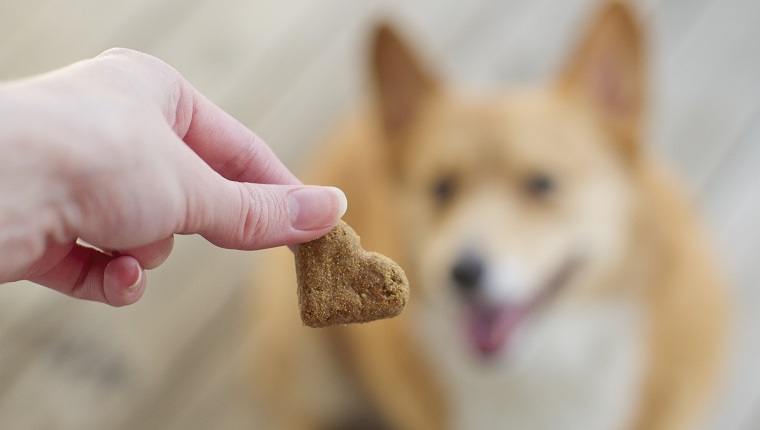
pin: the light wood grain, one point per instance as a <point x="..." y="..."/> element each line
<point x="289" y="69"/>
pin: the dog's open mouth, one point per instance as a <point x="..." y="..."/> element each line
<point x="491" y="327"/>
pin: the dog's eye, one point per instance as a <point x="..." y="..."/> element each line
<point x="444" y="188"/>
<point x="539" y="185"/>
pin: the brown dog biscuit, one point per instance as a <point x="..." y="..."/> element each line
<point x="341" y="283"/>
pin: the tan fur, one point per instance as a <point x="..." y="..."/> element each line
<point x="384" y="158"/>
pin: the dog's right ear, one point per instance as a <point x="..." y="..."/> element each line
<point x="608" y="73"/>
<point x="401" y="82"/>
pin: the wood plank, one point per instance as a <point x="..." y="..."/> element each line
<point x="525" y="42"/>
<point x="261" y="83"/>
<point x="708" y="128"/>
<point x="248" y="40"/>
<point x="187" y="313"/>
<point x="732" y="200"/>
<point x="742" y="403"/>
<point x="287" y="69"/>
<point x="313" y="98"/>
<point x="474" y="54"/>
<point x="198" y="365"/>
<point x="14" y="16"/>
<point x="16" y="301"/>
<point x="703" y="94"/>
<point x="541" y="42"/>
<point x="223" y="400"/>
<point x="60" y="33"/>
<point x="673" y="24"/>
<point x="141" y="343"/>
<point x="39" y="322"/>
<point x="728" y="192"/>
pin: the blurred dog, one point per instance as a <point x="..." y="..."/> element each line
<point x="559" y="279"/>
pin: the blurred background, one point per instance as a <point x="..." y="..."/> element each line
<point x="288" y="69"/>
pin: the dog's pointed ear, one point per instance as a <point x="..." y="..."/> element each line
<point x="607" y="72"/>
<point x="401" y="81"/>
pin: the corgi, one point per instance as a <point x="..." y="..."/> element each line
<point x="559" y="276"/>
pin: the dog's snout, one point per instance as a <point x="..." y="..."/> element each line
<point x="468" y="272"/>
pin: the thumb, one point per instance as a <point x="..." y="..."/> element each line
<point x="256" y="216"/>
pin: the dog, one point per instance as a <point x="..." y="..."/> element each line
<point x="560" y="278"/>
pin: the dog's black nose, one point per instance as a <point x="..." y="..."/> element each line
<point x="468" y="272"/>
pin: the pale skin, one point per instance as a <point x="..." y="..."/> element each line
<point x="121" y="153"/>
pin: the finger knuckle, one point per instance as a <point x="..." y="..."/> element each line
<point x="141" y="58"/>
<point x="117" y="52"/>
<point x="240" y="163"/>
<point x="260" y="217"/>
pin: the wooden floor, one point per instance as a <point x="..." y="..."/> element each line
<point x="176" y="360"/>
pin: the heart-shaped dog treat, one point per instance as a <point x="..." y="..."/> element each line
<point x="341" y="283"/>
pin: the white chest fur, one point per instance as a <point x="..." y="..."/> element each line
<point x="574" y="367"/>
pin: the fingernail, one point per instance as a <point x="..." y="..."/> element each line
<point x="314" y="208"/>
<point x="342" y="201"/>
<point x="132" y="288"/>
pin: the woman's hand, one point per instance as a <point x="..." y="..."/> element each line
<point x="122" y="153"/>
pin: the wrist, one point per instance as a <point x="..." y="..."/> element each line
<point x="34" y="189"/>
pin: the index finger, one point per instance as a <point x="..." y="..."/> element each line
<point x="225" y="144"/>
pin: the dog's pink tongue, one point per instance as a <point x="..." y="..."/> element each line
<point x="490" y="329"/>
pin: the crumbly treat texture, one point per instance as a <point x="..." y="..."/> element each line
<point x="341" y="283"/>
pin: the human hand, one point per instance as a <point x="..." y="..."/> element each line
<point x="121" y="152"/>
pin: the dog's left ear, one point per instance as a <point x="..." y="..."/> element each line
<point x="607" y="73"/>
<point x="401" y="81"/>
